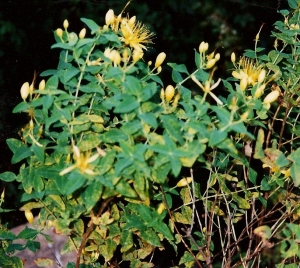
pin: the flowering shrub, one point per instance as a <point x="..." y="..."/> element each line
<point x="128" y="167"/>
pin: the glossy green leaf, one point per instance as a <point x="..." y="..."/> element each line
<point x="28" y="233"/>
<point x="68" y="184"/>
<point x="91" y="24"/>
<point x="216" y="137"/>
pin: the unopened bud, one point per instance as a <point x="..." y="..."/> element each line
<point x="245" y="115"/>
<point x="42" y="85"/>
<point x="137" y="55"/>
<point x="159" y="69"/>
<point x="184" y="182"/>
<point x="162" y="94"/>
<point x="161" y="207"/>
<point x="82" y="33"/>
<point x="169" y="93"/>
<point x="116" y="57"/>
<point x="31" y="88"/>
<point x="243" y="83"/>
<point x="59" y="32"/>
<point x="66" y="24"/>
<point x="259" y="91"/>
<point x="29" y="216"/>
<point x="217" y="57"/>
<point x="109" y="17"/>
<point x="160" y="59"/>
<point x="176" y="99"/>
<point x="24" y="91"/>
<point x="261" y="76"/>
<point x="210" y="63"/>
<point x="131" y="22"/>
<point x="201" y="47"/>
<point x="271" y="97"/>
<point x="31" y="125"/>
<point x="233" y="57"/>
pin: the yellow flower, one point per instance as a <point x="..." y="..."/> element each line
<point x="135" y="34"/>
<point x="247" y="71"/>
<point x="82" y="162"/>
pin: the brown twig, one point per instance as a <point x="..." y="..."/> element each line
<point x="90" y="229"/>
<point x="177" y="231"/>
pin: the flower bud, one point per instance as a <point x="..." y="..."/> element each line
<point x="205" y="47"/>
<point x="201" y="47"/>
<point x="271" y="97"/>
<point x="29" y="216"/>
<point x="2" y="195"/>
<point x="109" y="17"/>
<point x="176" y="99"/>
<point x="210" y="56"/>
<point x="31" y="88"/>
<point x="243" y="83"/>
<point x="210" y="63"/>
<point x="160" y="59"/>
<point x="137" y="55"/>
<point x="184" y="182"/>
<point x="131" y="22"/>
<point x="82" y="33"/>
<point x="126" y="53"/>
<point x="59" y="32"/>
<point x="42" y="85"/>
<point x="159" y="69"/>
<point x="261" y="76"/>
<point x="25" y="91"/>
<point x="66" y="24"/>
<point x="116" y="57"/>
<point x="169" y="92"/>
<point x="217" y="56"/>
<point x="31" y="125"/>
<point x="161" y="207"/>
<point x="259" y="91"/>
<point x="233" y="57"/>
<point x="245" y="115"/>
<point x="162" y="94"/>
<point x="149" y="63"/>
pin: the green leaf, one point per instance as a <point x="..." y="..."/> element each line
<point x="91" y="24"/>
<point x="92" y="194"/>
<point x="107" y="162"/>
<point x="28" y="233"/>
<point x="150" y="237"/>
<point x="124" y="189"/>
<point x="113" y="136"/>
<point x="10" y="261"/>
<point x="14" y="144"/>
<point x="22" y="153"/>
<point x="8" y="176"/>
<point x="126" y="240"/>
<point x="89" y="142"/>
<point x="216" y="137"/>
<point x="21" y="107"/>
<point x="6" y="235"/>
<point x="172" y="127"/>
<point x="149" y="118"/>
<point x="293" y="4"/>
<point x="108" y="250"/>
<point x="128" y="104"/>
<point x="259" y="152"/>
<point x="69" y="73"/>
<point x="84" y="41"/>
<point x="33" y="245"/>
<point x="39" y="152"/>
<point x="69" y="184"/>
<point x="162" y="228"/>
<point x="295" y="173"/>
<point x="242" y="203"/>
<point x="52" y="83"/>
<point x="181" y="68"/>
<point x="63" y="46"/>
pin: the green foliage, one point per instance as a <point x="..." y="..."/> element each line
<point x="105" y="142"/>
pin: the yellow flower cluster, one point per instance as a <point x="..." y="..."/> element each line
<point x="134" y="34"/>
<point x="247" y="72"/>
